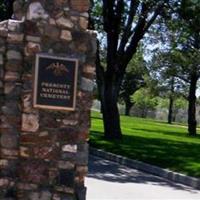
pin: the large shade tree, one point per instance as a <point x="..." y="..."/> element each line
<point x="124" y="24"/>
<point x="186" y="26"/>
<point x="190" y="13"/>
<point x="188" y="64"/>
<point x="169" y="76"/>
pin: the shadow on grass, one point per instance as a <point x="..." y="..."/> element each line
<point x="178" y="156"/>
<point x="96" y="117"/>
<point x="109" y="171"/>
<point x="167" y="132"/>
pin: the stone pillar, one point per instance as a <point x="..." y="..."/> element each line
<point x="44" y="153"/>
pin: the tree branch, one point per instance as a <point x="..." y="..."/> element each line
<point x="118" y="14"/>
<point x="108" y="13"/>
<point x="99" y="68"/>
<point x="182" y="78"/>
<point x="127" y="32"/>
<point x="138" y="34"/>
<point x="112" y="11"/>
<point x="155" y="15"/>
<point x="141" y="28"/>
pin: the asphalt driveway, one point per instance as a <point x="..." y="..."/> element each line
<point x="109" y="181"/>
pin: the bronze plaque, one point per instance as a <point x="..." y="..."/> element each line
<point x="55" y="83"/>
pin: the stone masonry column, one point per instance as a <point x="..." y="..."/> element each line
<point x="44" y="152"/>
<point x="11" y="64"/>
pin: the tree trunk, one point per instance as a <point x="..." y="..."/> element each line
<point x="108" y="90"/>
<point x="171" y="102"/>
<point x="111" y="118"/>
<point x="144" y="112"/>
<point x="170" y="111"/>
<point x="174" y="116"/>
<point x="192" y="106"/>
<point x="128" y="106"/>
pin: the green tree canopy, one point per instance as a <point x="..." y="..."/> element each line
<point x="144" y="100"/>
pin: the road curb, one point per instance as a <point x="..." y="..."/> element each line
<point x="164" y="173"/>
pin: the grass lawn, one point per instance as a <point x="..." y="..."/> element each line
<point x="153" y="142"/>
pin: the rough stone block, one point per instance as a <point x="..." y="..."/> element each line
<point x="64" y="22"/>
<point x="13" y="66"/>
<point x="80" y="5"/>
<point x="9" y="141"/>
<point x="3" y="163"/>
<point x="43" y="195"/>
<point x="74" y="19"/>
<point x="82" y="170"/>
<point x="89" y="69"/>
<point x="34" y="171"/>
<point x="45" y="152"/>
<point x="15" y="26"/>
<point x="66" y="35"/>
<point x="65" y="165"/>
<point x="79" y="180"/>
<point x="84" y="14"/>
<point x="30" y="122"/>
<point x="66" y="178"/>
<point x="4" y="182"/>
<point x="10" y="108"/>
<point x="12" y="90"/>
<point x="13" y="55"/>
<point x="52" y="21"/>
<point x="60" y="2"/>
<point x="64" y="189"/>
<point x="69" y="122"/>
<point x="31" y="38"/>
<point x="1" y="59"/>
<point x="69" y="148"/>
<point x="2" y="48"/>
<point x="11" y="76"/>
<point x="4" y="28"/>
<point x="69" y="157"/>
<point x="28" y="138"/>
<point x="36" y="12"/>
<point x="82" y="154"/>
<point x="27" y="103"/>
<point x="56" y="197"/>
<point x="9" y="153"/>
<point x="32" y="48"/>
<point x="25" y="186"/>
<point x="82" y="47"/>
<point x="83" y="22"/>
<point x="52" y="31"/>
<point x="87" y="84"/>
<point x="15" y="38"/>
<point x="1" y="85"/>
<point x="10" y="122"/>
<point x="24" y="152"/>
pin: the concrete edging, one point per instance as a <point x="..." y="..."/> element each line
<point x="164" y="173"/>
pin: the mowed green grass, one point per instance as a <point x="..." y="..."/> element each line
<point x="153" y="142"/>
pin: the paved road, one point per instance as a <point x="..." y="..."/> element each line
<point x="109" y="181"/>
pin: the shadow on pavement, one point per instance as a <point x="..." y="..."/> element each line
<point x="112" y="172"/>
